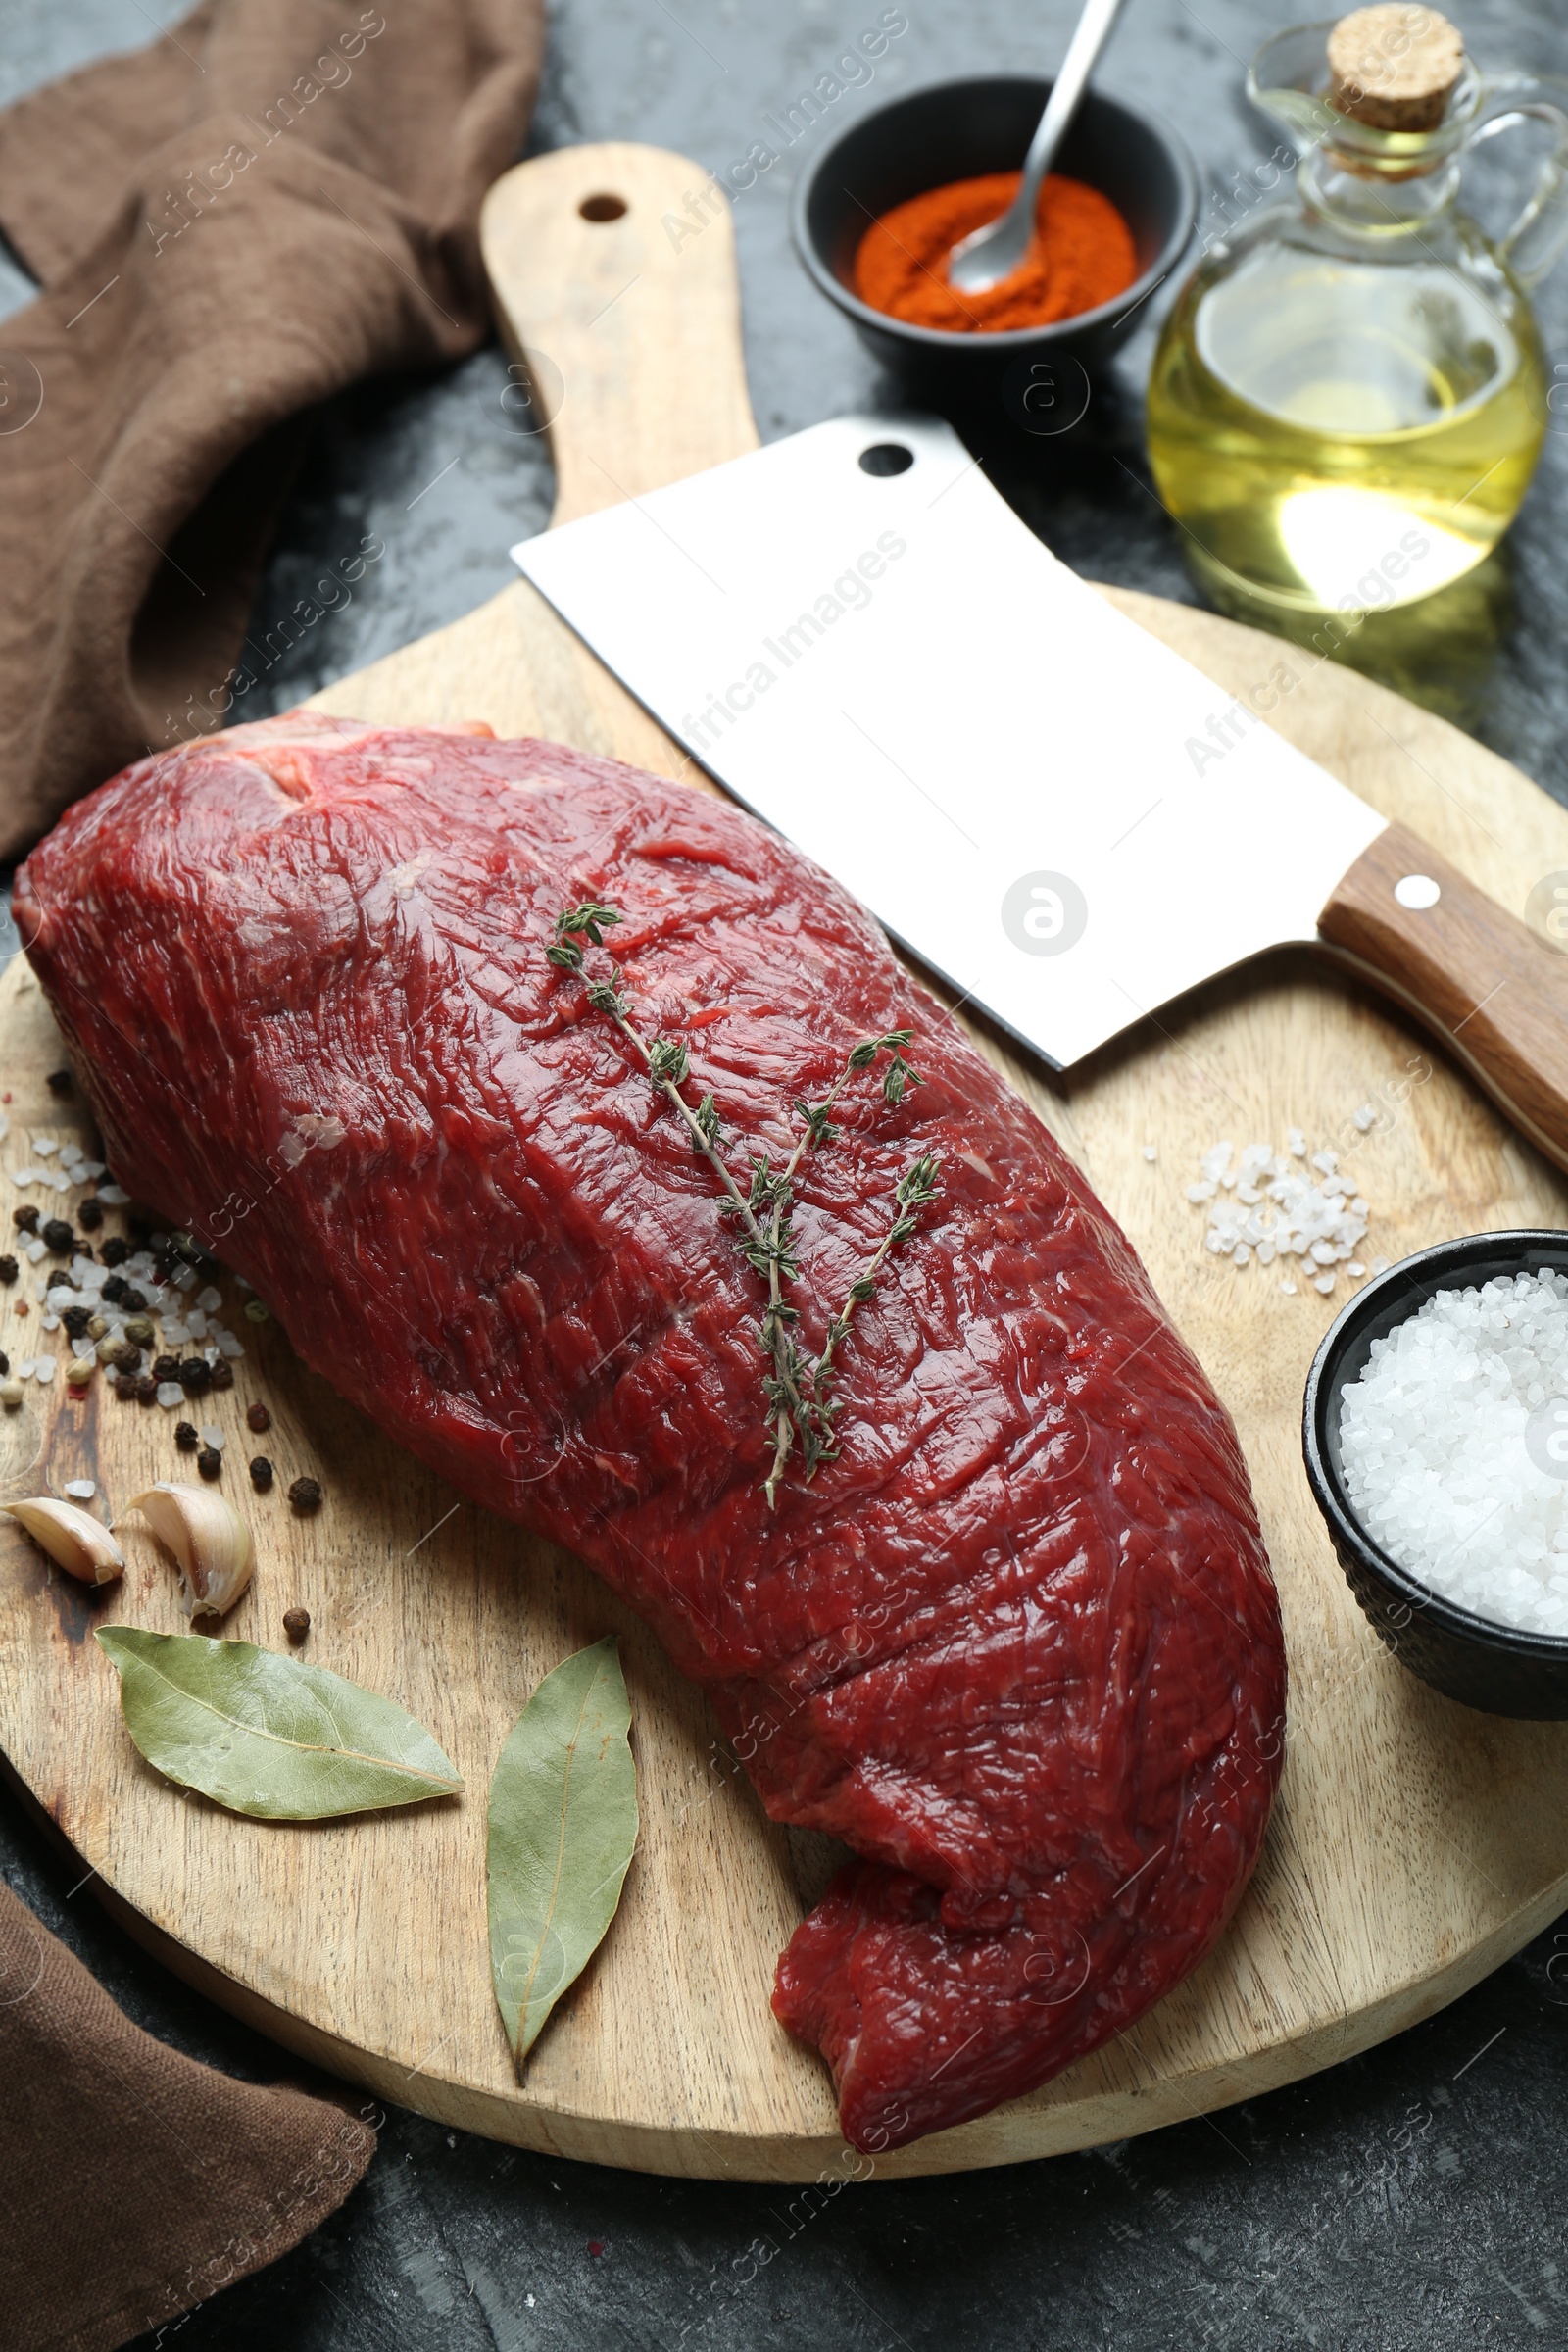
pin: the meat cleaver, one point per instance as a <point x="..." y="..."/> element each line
<point x="853" y="632"/>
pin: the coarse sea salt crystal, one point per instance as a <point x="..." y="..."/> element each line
<point x="174" y="1334"/>
<point x="169" y="1393"/>
<point x="211" y="1435"/>
<point x="43" y="1369"/>
<point x="82" y="1489"/>
<point x="1446" y="1445"/>
<point x="210" y="1299"/>
<point x="112" y="1195"/>
<point x="1280" y="1208"/>
<point x="43" y="1147"/>
<point x="228" y="1345"/>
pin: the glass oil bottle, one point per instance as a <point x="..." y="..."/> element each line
<point x="1348" y="398"/>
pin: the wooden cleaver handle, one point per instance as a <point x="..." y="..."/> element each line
<point x="1491" y="988"/>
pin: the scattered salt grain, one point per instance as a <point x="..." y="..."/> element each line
<point x="169" y="1393"/>
<point x="211" y="1435"/>
<point x="112" y="1195"/>
<point x="43" y="1369"/>
<point x="90" y="1169"/>
<point x="82" y="1489"/>
<point x="185" y="1278"/>
<point x="1365" y="1117"/>
<point x="1150" y="1152"/>
<point x="228" y="1345"/>
<point x="174" y="1334"/>
<point x="1323" y="1283"/>
<point x="1289" y="1288"/>
<point x="26" y="1175"/>
<point x="1449" y="1444"/>
<point x="210" y="1299"/>
<point x="33" y="1252"/>
<point x="42" y="1148"/>
<point x="24" y="1370"/>
<point x="1278" y="1209"/>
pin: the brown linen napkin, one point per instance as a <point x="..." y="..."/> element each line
<point x="279" y="197"/>
<point x="133" y="2182"/>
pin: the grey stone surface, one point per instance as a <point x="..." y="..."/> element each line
<point x="1410" y="2197"/>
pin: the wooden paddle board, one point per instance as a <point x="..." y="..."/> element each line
<point x="1414" y="1845"/>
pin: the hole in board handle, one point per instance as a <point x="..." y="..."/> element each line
<point x="886" y="457"/>
<point x="601" y="208"/>
<point x="1417" y="892"/>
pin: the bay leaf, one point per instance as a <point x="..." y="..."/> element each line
<point x="267" y="1735"/>
<point x="563" y="1830"/>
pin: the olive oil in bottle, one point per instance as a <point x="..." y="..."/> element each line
<point x="1349" y="399"/>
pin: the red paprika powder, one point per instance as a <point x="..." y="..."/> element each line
<point x="1083" y="255"/>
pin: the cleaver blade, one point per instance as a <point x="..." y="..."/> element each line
<point x="1060" y="818"/>
<point x="1065" y="821"/>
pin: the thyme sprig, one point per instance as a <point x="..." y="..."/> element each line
<point x="798" y="1392"/>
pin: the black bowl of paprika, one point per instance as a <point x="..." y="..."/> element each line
<point x="1123" y="227"/>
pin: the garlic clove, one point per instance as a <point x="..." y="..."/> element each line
<point x="208" y="1537"/>
<point x="72" y="1538"/>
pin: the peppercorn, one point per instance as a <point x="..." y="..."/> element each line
<point x="222" y="1375"/>
<point x="210" y="1462"/>
<point x="133" y="1300"/>
<point x="75" y="1320"/>
<point x="90" y="1214"/>
<point x="146" y="1390"/>
<point x="58" y="1236"/>
<point x="11" y="1394"/>
<point x="8" y="1268"/>
<point x="115" y="1288"/>
<point x="166" y="1367"/>
<point x="126" y="1357"/>
<point x="127" y="1385"/>
<point x="115" y="1251"/>
<point x="194" y="1375"/>
<point x="261" y="1473"/>
<point x="5" y="1363"/>
<point x="306" y="1495"/>
<point x="296" y="1624"/>
<point x="59" y="1082"/>
<point x="79" y="1371"/>
<point x="138" y="1329"/>
<point x="185" y="1437"/>
<point x="25" y="1218"/>
<point x="258" y="1417"/>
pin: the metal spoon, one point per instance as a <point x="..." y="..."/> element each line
<point x="989" y="255"/>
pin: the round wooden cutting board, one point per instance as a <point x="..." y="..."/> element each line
<point x="1414" y="1845"/>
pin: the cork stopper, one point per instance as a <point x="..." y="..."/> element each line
<point x="1394" y="66"/>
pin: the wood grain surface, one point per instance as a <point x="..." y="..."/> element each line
<point x="1414" y="1845"/>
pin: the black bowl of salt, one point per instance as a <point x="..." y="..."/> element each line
<point x="1436" y="1436"/>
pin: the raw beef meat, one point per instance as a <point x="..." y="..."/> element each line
<point x="1017" y="1644"/>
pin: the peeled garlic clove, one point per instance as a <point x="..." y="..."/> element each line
<point x="73" y="1538"/>
<point x="207" y="1536"/>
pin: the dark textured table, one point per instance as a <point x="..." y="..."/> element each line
<point x="1410" y="2197"/>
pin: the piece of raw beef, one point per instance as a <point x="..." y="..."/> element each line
<point x="1017" y="1643"/>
